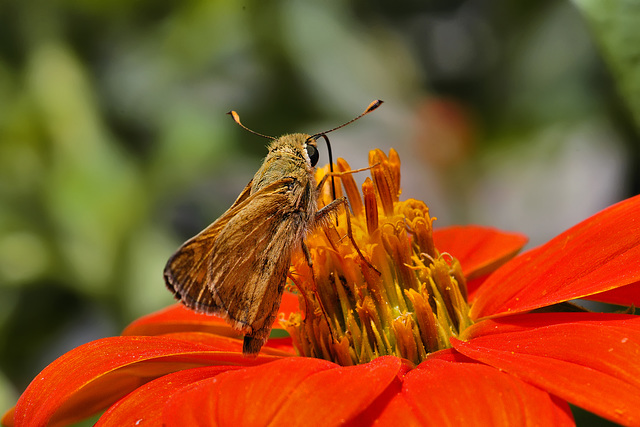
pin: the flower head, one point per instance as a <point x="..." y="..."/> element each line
<point x="417" y="326"/>
<point x="398" y="295"/>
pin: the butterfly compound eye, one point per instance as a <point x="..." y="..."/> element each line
<point x="313" y="154"/>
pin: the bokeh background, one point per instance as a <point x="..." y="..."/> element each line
<point x="115" y="146"/>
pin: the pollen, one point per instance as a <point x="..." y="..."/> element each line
<point x="398" y="295"/>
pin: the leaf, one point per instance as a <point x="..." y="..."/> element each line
<point x="614" y="25"/>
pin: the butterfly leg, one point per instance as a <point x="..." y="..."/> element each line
<point x="300" y="289"/>
<point x="307" y="255"/>
<point x="339" y="174"/>
<point x="323" y="214"/>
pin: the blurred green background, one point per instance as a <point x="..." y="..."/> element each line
<point x="115" y="146"/>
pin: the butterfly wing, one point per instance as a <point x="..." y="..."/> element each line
<point x="237" y="267"/>
<point x="186" y="272"/>
<point x="252" y="255"/>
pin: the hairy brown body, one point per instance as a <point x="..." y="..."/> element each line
<point x="237" y="267"/>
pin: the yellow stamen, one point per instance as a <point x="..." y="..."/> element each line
<point x="370" y="205"/>
<point x="350" y="188"/>
<point x="409" y="305"/>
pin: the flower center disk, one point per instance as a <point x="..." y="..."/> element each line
<point x="408" y="305"/>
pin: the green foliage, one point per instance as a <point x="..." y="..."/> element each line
<point x="614" y="24"/>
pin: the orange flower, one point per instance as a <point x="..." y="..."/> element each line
<point x="422" y="326"/>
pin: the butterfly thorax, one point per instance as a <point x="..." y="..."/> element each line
<point x="288" y="160"/>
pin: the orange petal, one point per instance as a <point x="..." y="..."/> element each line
<point x="441" y="392"/>
<point x="93" y="376"/>
<point x="397" y="411"/>
<point x="8" y="418"/>
<point x="291" y="391"/>
<point x="275" y="347"/>
<point x="599" y="254"/>
<point x="282" y="346"/>
<point x="144" y="405"/>
<point x="178" y="318"/>
<point x="390" y="407"/>
<point x="625" y="295"/>
<point x="480" y="250"/>
<point x="214" y="342"/>
<point x="588" y="359"/>
<point x="473" y="285"/>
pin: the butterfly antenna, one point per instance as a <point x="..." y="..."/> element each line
<point x="375" y="104"/>
<point x="236" y="118"/>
